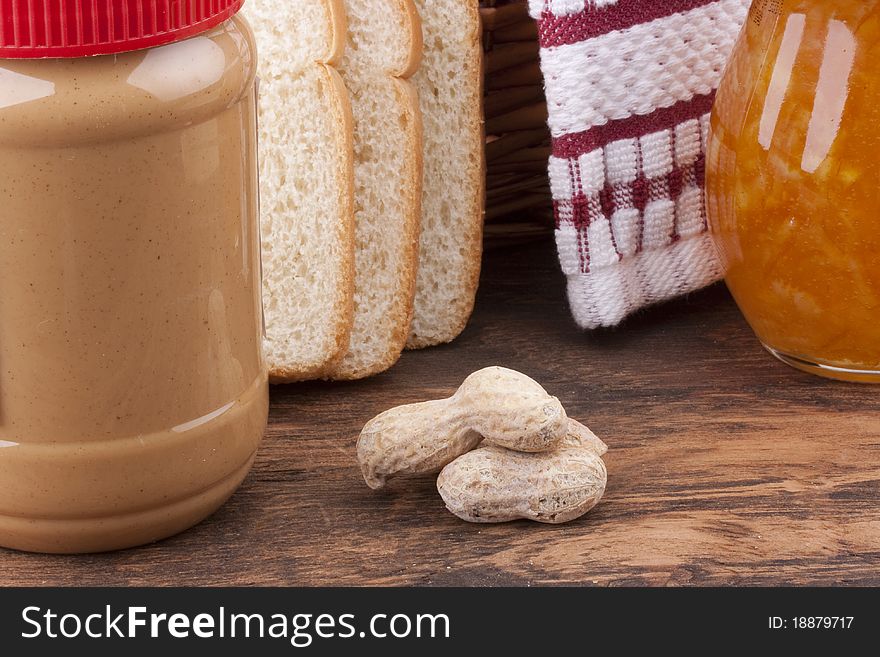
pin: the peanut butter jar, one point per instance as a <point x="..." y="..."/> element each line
<point x="133" y="392"/>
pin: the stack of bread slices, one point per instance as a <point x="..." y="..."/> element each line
<point x="372" y="179"/>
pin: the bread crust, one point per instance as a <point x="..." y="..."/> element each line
<point x="339" y="20"/>
<point x="462" y="306"/>
<point x="413" y="26"/>
<point x="409" y="100"/>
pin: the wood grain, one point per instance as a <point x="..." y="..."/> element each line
<point x="725" y="466"/>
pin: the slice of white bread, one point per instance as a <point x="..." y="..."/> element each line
<point x="450" y="87"/>
<point x="384" y="48"/>
<point x="306" y="184"/>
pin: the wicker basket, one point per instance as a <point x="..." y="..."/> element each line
<point x="517" y="139"/>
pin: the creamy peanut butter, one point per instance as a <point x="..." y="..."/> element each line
<point x="133" y="394"/>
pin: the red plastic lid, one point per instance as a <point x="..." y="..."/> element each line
<point x="79" y="28"/>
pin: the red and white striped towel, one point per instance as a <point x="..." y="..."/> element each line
<point x="629" y="86"/>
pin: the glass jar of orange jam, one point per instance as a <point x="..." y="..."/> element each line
<point x="793" y="182"/>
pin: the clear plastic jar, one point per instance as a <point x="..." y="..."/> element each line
<point x="133" y="393"/>
<point x="794" y="186"/>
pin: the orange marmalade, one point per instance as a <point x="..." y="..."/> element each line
<point x="793" y="182"/>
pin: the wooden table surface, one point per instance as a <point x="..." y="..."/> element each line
<point x="725" y="468"/>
